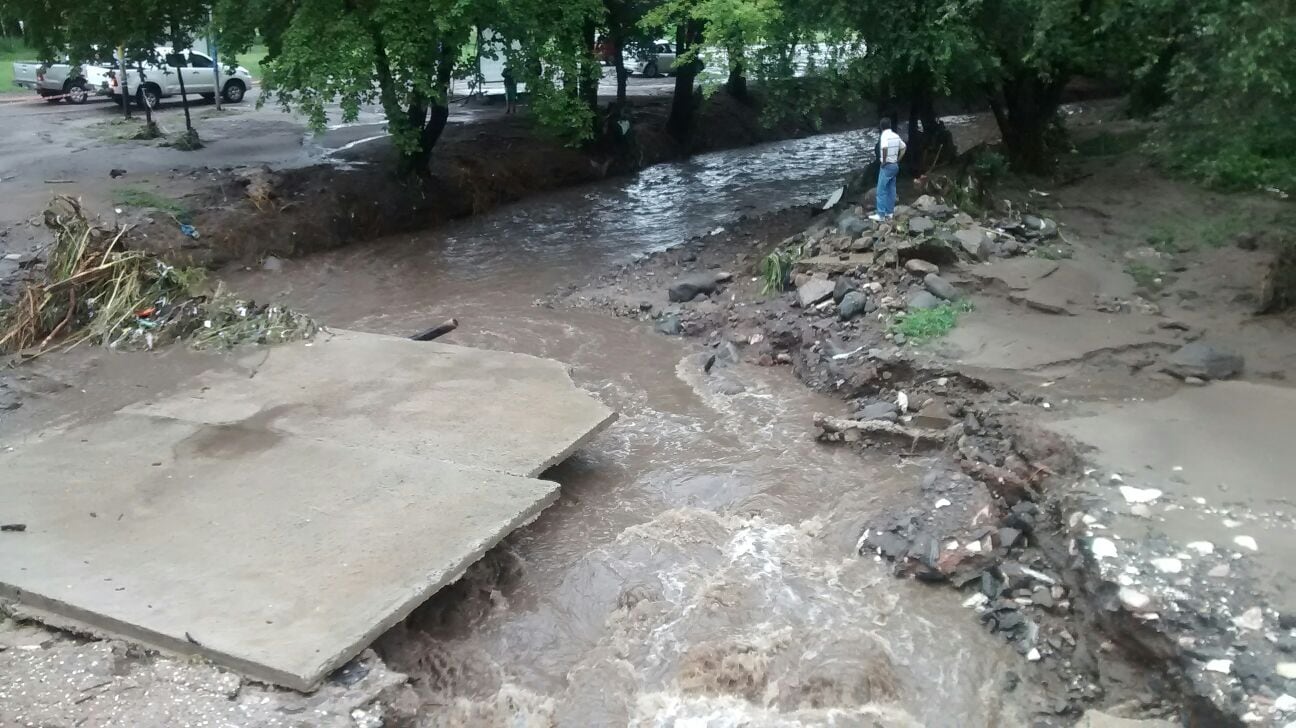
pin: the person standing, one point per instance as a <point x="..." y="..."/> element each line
<point x="510" y="90"/>
<point x="891" y="149"/>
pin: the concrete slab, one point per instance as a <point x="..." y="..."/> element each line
<point x="275" y="555"/>
<point x="279" y="514"/>
<point x="511" y="412"/>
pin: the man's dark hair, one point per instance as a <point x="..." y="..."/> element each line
<point x="884" y="124"/>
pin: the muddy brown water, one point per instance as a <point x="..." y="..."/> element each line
<point x="700" y="568"/>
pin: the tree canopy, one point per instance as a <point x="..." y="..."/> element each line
<point x="1220" y="73"/>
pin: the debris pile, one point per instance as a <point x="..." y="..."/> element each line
<point x="90" y="287"/>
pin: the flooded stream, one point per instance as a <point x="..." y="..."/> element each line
<point x="700" y="568"/>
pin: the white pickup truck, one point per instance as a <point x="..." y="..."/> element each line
<point x="162" y="79"/>
<point x="59" y="81"/>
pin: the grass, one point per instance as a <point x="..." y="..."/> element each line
<point x="12" y="49"/>
<point x="252" y="60"/>
<point x="147" y="199"/>
<point x="930" y="323"/>
<point x="1146" y="276"/>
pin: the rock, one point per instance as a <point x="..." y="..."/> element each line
<point x="877" y="411"/>
<point x="687" y="288"/>
<point x="940" y="287"/>
<point x="784" y="336"/>
<point x="851" y="224"/>
<point x="1134" y="600"/>
<point x="670" y="325"/>
<point x="921" y="301"/>
<point x="974" y="241"/>
<point x="723" y="276"/>
<point x="934" y="415"/>
<point x="853" y="304"/>
<point x="813" y="291"/>
<point x="1008" y="536"/>
<point x="1204" y="361"/>
<point x="1195" y="381"/>
<point x="272" y="264"/>
<point x="1040" y="226"/>
<point x="920" y="267"/>
<point x="1099" y="719"/>
<point x="1252" y="619"/>
<point x="843" y="286"/>
<point x="1287" y="670"/>
<point x="890" y="545"/>
<point x="1043" y="596"/>
<point x="727" y="385"/>
<point x="921" y="225"/>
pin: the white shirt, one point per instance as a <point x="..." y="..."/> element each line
<point x="891" y="145"/>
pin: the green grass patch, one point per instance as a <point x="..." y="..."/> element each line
<point x="1052" y="252"/>
<point x="149" y="200"/>
<point x="930" y="323"/>
<point x="252" y="60"/>
<point x="12" y="49"/>
<point x="1145" y="276"/>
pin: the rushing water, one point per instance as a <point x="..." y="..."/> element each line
<point x="700" y="568"/>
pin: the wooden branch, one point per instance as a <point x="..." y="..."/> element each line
<point x="436" y="331"/>
<point x="842" y="428"/>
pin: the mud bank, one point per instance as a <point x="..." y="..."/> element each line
<point x="1049" y="544"/>
<point x="254" y="212"/>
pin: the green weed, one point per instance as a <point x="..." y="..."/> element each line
<point x="776" y="270"/>
<point x="1109" y="144"/>
<point x="930" y="323"/>
<point x="147" y="199"/>
<point x="1145" y="275"/>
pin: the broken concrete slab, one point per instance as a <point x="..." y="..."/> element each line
<point x="277" y="514"/>
<point x="491" y="409"/>
<point x="276" y="555"/>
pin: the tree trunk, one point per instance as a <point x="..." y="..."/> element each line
<point x="622" y="74"/>
<point x="929" y="141"/>
<point x="1024" y="109"/>
<point x="591" y="75"/>
<point x="684" y="100"/>
<point x="737" y="83"/>
<point x="125" y="86"/>
<point x="151" y="130"/>
<point x="184" y="100"/>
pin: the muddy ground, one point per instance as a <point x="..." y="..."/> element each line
<point x="1105" y="500"/>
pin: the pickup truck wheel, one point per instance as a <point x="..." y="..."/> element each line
<point x="234" y="91"/>
<point x="147" y="96"/>
<point x="77" y="93"/>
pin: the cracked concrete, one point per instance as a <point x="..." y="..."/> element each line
<point x="277" y="524"/>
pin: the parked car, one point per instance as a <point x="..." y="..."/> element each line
<point x="26" y="74"/>
<point x="162" y="79"/>
<point x="657" y="60"/>
<point x="59" y="81"/>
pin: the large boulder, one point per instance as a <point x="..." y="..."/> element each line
<point x="975" y="241"/>
<point x="843" y="286"/>
<point x="920" y="267"/>
<point x="687" y="288"/>
<point x="814" y="290"/>
<point x="853" y="304"/>
<point x="852" y="225"/>
<point x="921" y="300"/>
<point x="1204" y="361"/>
<point x="940" y="287"/>
<point x="921" y="225"/>
<point x="1041" y="227"/>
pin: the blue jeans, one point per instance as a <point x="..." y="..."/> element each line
<point x="886" y="189"/>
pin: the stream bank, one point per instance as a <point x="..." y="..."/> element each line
<point x="1033" y="361"/>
